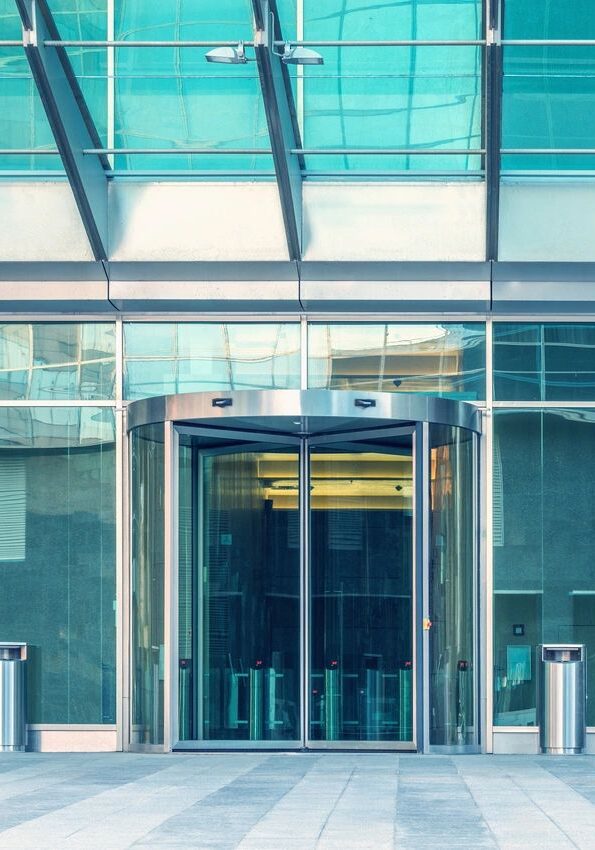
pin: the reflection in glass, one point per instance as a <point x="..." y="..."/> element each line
<point x="527" y="19"/>
<point x="170" y="98"/>
<point x="548" y="102"/>
<point x="240" y="608"/>
<point x="24" y="122"/>
<point x="444" y="359"/>
<point x="147" y="584"/>
<point x="57" y="361"/>
<point x="452" y="587"/>
<point x="396" y="97"/>
<point x="361" y="680"/>
<point x="544" y="362"/>
<point x="544" y="550"/>
<point x="58" y="558"/>
<point x="162" y="358"/>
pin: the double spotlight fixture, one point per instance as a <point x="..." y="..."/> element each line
<point x="296" y="55"/>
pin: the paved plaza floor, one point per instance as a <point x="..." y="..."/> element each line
<point x="298" y="801"/>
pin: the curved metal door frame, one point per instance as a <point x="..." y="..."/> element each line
<point x="303" y="416"/>
<point x="299" y="411"/>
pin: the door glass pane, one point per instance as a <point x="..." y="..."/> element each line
<point x="361" y="648"/>
<point x="240" y="628"/>
<point x="452" y="587"/>
<point x="148" y="553"/>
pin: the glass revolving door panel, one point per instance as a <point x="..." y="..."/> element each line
<point x="239" y="594"/>
<point x="361" y="592"/>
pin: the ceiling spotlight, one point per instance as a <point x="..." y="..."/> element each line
<point x="300" y="56"/>
<point x="228" y="55"/>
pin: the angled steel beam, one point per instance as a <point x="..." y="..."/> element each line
<point x="69" y="118"/>
<point x="281" y="120"/>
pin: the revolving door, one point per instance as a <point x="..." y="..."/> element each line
<point x="303" y="572"/>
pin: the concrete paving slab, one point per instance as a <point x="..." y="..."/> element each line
<point x="297" y="801"/>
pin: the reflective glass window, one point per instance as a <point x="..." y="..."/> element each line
<point x="548" y="91"/>
<point x="24" y="124"/>
<point x="393" y="97"/>
<point x="554" y="19"/>
<point x="88" y="20"/>
<point x="544" y="362"/>
<point x="57" y="361"/>
<point x="57" y="558"/>
<point x="437" y="359"/>
<point x="171" y="98"/>
<point x="163" y="358"/>
<point x="544" y="549"/>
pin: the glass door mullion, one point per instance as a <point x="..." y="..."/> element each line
<point x="422" y="572"/>
<point x="304" y="501"/>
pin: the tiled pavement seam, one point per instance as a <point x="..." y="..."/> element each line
<point x="222" y="819"/>
<point x="330" y="801"/>
<point x="299" y="818"/>
<point x="435" y="808"/>
<point x="527" y="807"/>
<point x="115" y="818"/>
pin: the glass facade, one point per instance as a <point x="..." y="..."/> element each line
<point x="153" y="103"/>
<point x="167" y="99"/>
<point x="548" y="90"/>
<point x="58" y="558"/>
<point x="544" y="580"/>
<point x="189" y="357"/>
<point x="57" y="361"/>
<point x="544" y="362"/>
<point x="58" y="479"/>
<point x="436" y="359"/>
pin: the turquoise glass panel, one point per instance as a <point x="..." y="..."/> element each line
<point x="544" y="362"/>
<point x="162" y="358"/>
<point x="88" y="20"/>
<point x="436" y="359"/>
<point x="172" y="98"/>
<point x="549" y="92"/>
<point x="544" y="549"/>
<point x="24" y="123"/>
<point x="549" y="103"/>
<point x="58" y="558"/>
<point x="57" y="361"/>
<point x="552" y="19"/>
<point x="10" y="22"/>
<point x="394" y="97"/>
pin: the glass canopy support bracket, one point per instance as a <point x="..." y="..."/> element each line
<point x="282" y="121"/>
<point x="70" y="120"/>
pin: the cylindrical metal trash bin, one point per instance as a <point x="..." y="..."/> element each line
<point x="13" y="720"/>
<point x="561" y="693"/>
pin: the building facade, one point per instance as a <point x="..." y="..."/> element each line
<point x="297" y="369"/>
